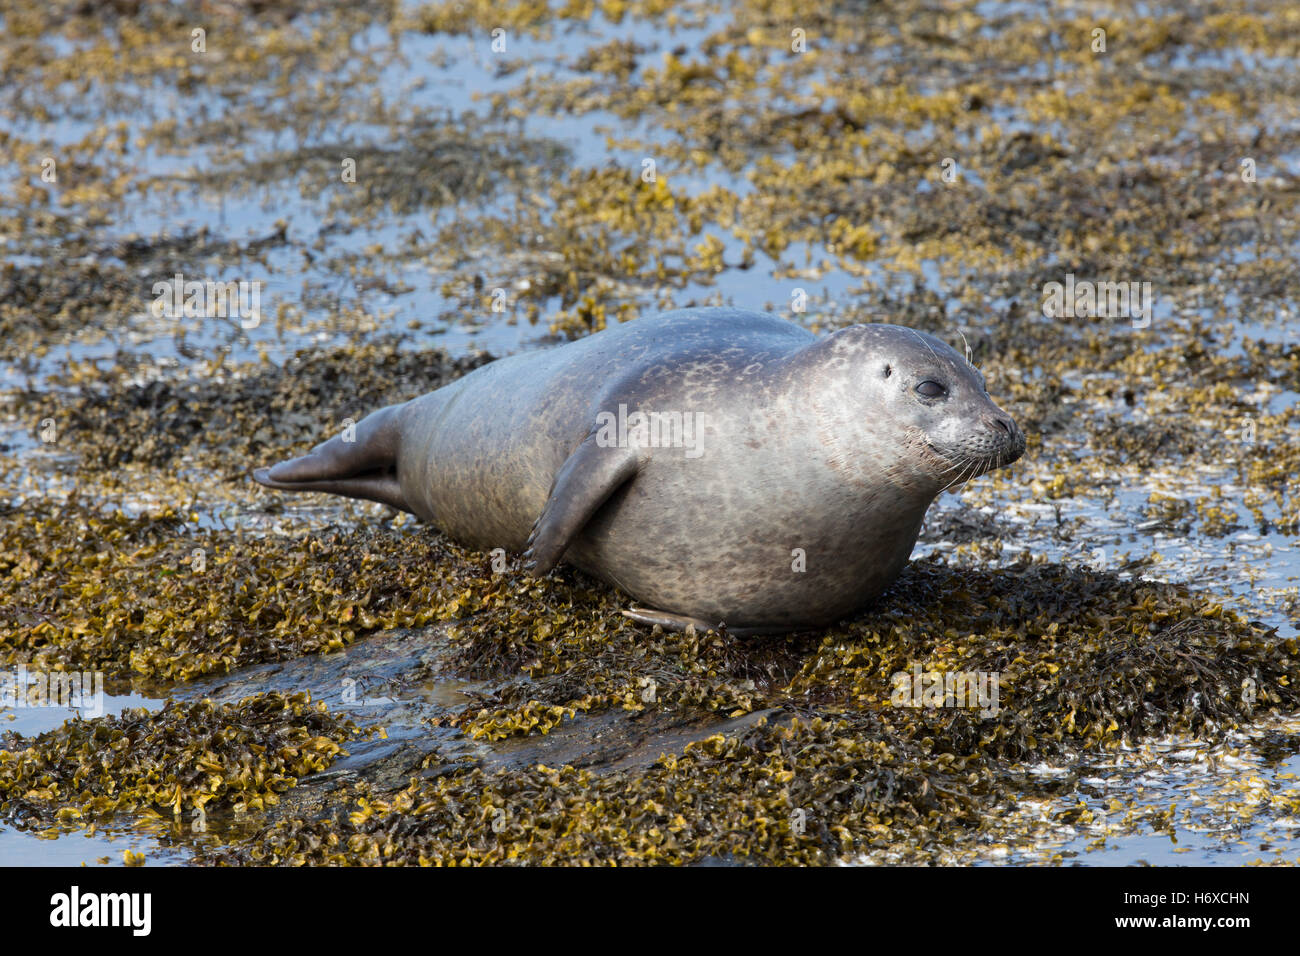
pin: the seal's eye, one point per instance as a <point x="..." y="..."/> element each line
<point x="931" y="390"/>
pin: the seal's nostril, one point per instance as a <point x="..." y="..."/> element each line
<point x="1001" y="423"/>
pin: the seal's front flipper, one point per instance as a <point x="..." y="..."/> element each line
<point x="667" y="620"/>
<point x="679" y="622"/>
<point x="584" y="483"/>
<point x="365" y="467"/>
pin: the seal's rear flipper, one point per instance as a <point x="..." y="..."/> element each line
<point x="363" y="468"/>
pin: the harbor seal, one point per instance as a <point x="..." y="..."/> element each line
<point x="720" y="466"/>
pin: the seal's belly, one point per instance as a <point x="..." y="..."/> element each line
<point x="749" y="561"/>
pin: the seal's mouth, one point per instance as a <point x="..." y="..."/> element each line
<point x="956" y="470"/>
<point x="979" y="454"/>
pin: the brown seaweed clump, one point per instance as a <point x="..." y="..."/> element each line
<point x="803" y="792"/>
<point x="224" y="418"/>
<point x="156" y="597"/>
<point x="191" y="758"/>
<point x="1086" y="662"/>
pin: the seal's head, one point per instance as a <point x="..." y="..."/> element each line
<point x="944" y="402"/>
<point x="919" y="407"/>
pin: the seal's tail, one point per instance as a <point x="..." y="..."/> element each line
<point x="359" y="464"/>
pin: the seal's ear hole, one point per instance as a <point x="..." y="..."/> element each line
<point x="889" y="370"/>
